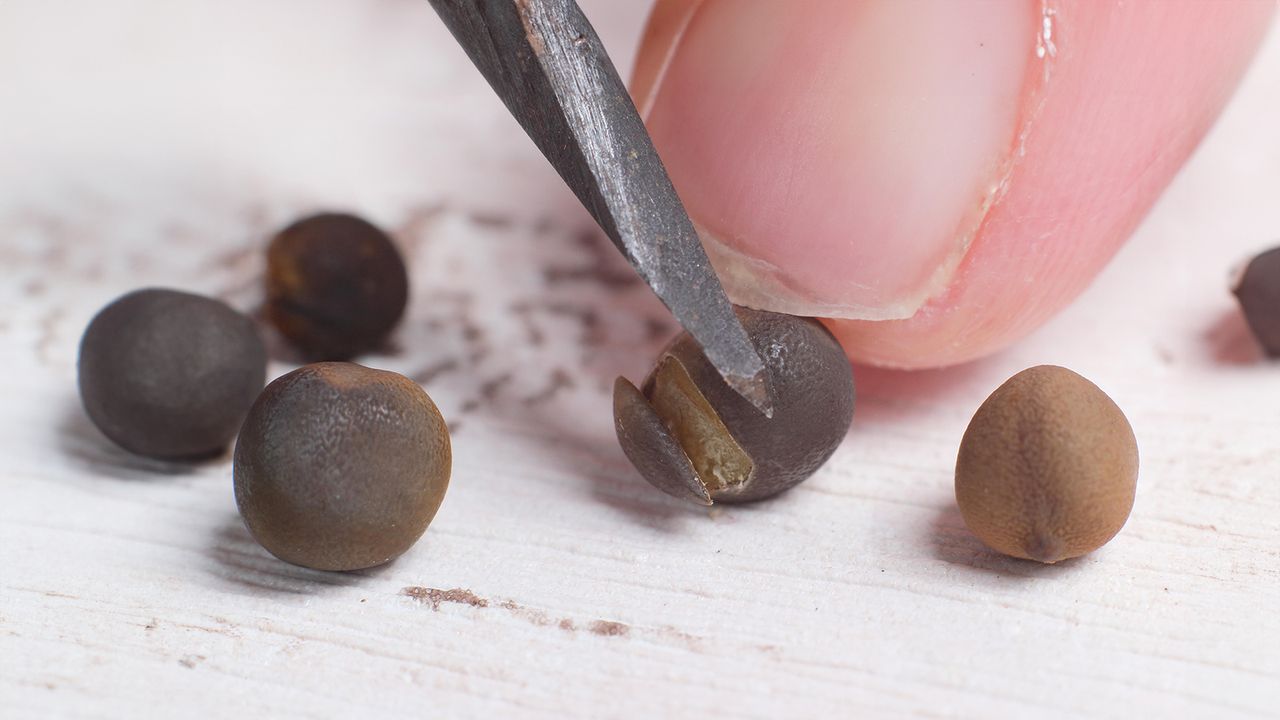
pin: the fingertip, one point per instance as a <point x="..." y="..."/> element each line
<point x="942" y="182"/>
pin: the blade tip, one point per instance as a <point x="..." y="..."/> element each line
<point x="754" y="389"/>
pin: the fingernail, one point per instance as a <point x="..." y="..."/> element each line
<point x="837" y="156"/>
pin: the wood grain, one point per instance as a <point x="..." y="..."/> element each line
<point x="554" y="581"/>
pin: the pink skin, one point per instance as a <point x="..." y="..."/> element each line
<point x="940" y="177"/>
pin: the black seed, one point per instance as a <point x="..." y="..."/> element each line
<point x="169" y="374"/>
<point x="1258" y="291"/>
<point x="336" y="286"/>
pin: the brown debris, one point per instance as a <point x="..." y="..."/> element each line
<point x="434" y="597"/>
<point x="429" y="373"/>
<point x="494" y="220"/>
<point x="608" y="628"/>
<point x="560" y="380"/>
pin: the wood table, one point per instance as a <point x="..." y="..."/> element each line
<point x="148" y="143"/>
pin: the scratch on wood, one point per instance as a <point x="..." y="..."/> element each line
<point x="458" y="298"/>
<point x="48" y="335"/>
<point x="656" y="329"/>
<point x="604" y="267"/>
<point x="471" y="332"/>
<point x="190" y="661"/>
<point x="524" y="311"/>
<point x="429" y="373"/>
<point x="235" y="289"/>
<point x="229" y="631"/>
<point x="544" y="225"/>
<point x="494" y="220"/>
<point x="412" y="231"/>
<point x="592" y="327"/>
<point x="491" y="388"/>
<point x="560" y="380"/>
<point x="234" y="258"/>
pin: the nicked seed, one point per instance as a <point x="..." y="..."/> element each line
<point x="691" y="436"/>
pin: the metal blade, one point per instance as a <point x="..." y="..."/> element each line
<point x="547" y="64"/>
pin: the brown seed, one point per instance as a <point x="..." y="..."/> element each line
<point x="1257" y="290"/>
<point x="691" y="436"/>
<point x="336" y="286"/>
<point x="341" y="467"/>
<point x="1048" y="467"/>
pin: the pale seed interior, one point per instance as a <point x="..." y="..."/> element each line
<point x="719" y="459"/>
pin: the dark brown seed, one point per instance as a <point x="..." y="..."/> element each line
<point x="341" y="467"/>
<point x="691" y="436"/>
<point x="168" y="374"/>
<point x="1048" y="467"/>
<point x="336" y="286"/>
<point x="1258" y="292"/>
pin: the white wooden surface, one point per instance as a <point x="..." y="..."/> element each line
<point x="554" y="582"/>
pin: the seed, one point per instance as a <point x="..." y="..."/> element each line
<point x="1047" y="468"/>
<point x="341" y="467"/>
<point x="1258" y="292"/>
<point x="168" y="374"/>
<point x="691" y="436"/>
<point x="336" y="286"/>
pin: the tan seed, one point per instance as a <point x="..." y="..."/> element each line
<point x="1047" y="468"/>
